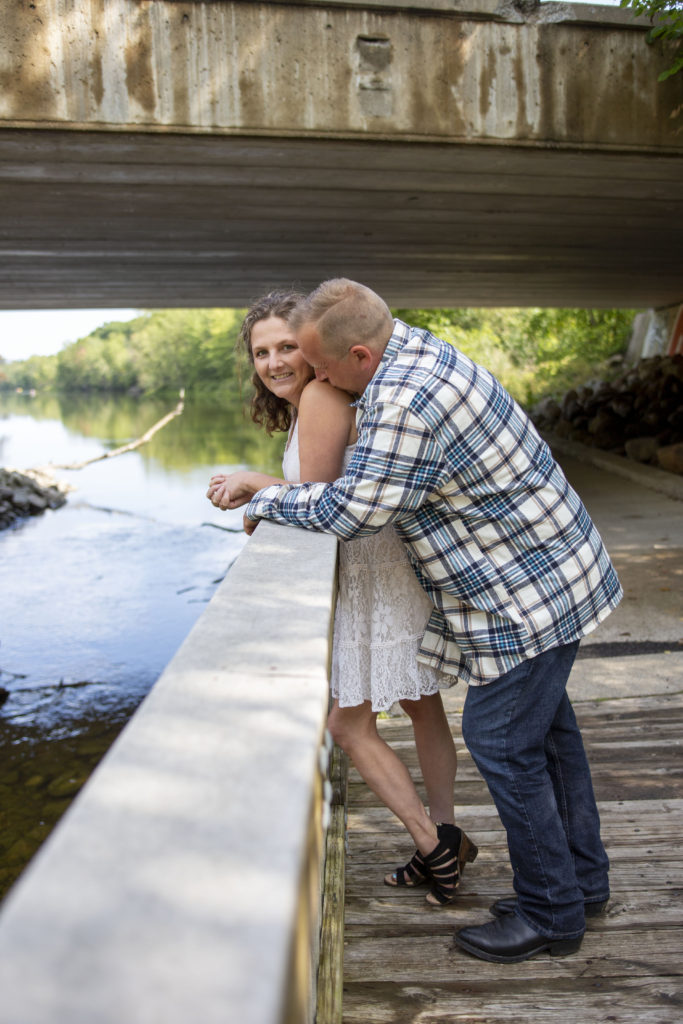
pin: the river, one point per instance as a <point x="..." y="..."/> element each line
<point x="97" y="596"/>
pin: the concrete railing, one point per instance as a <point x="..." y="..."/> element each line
<point x="183" y="884"/>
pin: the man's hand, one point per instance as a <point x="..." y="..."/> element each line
<point x="249" y="525"/>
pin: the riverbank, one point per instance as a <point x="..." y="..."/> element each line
<point x="28" y="492"/>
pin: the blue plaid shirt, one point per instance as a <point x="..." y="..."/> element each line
<point x="497" y="537"/>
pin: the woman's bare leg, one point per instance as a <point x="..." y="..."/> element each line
<point x="355" y="730"/>
<point x="436" y="753"/>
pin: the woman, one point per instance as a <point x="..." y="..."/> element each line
<point x="381" y="609"/>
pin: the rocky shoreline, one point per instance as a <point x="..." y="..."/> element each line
<point x="27" y="492"/>
<point x="639" y="414"/>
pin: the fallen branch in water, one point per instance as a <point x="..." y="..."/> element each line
<point x="133" y="444"/>
<point x="228" y="529"/>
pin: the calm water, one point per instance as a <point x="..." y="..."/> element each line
<point x="96" y="597"/>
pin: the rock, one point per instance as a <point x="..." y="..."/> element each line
<point x="621" y="406"/>
<point x="548" y="409"/>
<point x="27" y="494"/>
<point x="671" y="458"/>
<point x="28" y="501"/>
<point x="67" y="784"/>
<point x="603" y="422"/>
<point x="640" y="411"/>
<point x="563" y="427"/>
<point x="20" y="850"/>
<point x="642" y="449"/>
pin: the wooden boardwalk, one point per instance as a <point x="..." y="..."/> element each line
<point x="400" y="963"/>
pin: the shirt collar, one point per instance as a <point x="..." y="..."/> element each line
<point x="399" y="337"/>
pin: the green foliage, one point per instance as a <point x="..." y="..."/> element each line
<point x="667" y="18"/>
<point x="533" y="352"/>
<point x="37" y="373"/>
<point x="105" y="360"/>
<point x="161" y="350"/>
<point x="186" y="347"/>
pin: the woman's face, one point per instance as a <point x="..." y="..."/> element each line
<point x="277" y="359"/>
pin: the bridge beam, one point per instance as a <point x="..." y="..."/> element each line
<point x="158" y="153"/>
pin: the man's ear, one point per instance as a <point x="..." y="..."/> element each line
<point x="362" y="356"/>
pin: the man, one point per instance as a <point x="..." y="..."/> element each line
<point x="515" y="568"/>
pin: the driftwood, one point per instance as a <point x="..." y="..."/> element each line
<point x="133" y="444"/>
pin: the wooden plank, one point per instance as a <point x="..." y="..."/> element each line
<point x="643" y="1000"/>
<point x="417" y="959"/>
<point x="368" y="914"/>
<point x="613" y="814"/>
<point x="401" y="963"/>
<point x="657" y="874"/>
<point x="331" y="962"/>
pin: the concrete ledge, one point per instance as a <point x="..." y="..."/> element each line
<point x="646" y="476"/>
<point x="493" y="10"/>
<point x="172" y="890"/>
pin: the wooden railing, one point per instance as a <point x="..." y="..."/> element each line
<point x="184" y="883"/>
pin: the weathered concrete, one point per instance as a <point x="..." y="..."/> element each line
<point x="182" y="884"/>
<point x="559" y="74"/>
<point x="155" y="152"/>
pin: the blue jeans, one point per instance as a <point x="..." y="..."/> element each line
<point x="523" y="736"/>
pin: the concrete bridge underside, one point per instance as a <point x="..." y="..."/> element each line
<point x="160" y="153"/>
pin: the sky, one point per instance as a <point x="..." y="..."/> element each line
<point x="43" y="332"/>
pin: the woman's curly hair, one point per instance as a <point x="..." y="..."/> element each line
<point x="267" y="409"/>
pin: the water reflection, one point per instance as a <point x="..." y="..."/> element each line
<point x="97" y="596"/>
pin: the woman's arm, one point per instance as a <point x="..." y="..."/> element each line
<point x="230" y="490"/>
<point x="326" y="426"/>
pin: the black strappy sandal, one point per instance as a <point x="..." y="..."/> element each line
<point x="446" y="863"/>
<point x="412" y="874"/>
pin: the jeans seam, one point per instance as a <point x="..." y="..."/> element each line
<point x="563" y="808"/>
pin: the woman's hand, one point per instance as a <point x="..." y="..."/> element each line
<point x="232" y="490"/>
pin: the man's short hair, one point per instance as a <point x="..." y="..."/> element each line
<point x="345" y="313"/>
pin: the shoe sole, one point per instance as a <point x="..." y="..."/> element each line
<point x="556" y="947"/>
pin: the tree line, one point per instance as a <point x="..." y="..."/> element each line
<point x="534" y="352"/>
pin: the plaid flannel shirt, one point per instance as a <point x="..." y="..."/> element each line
<point x="497" y="537"/>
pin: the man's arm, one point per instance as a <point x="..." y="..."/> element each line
<point x="396" y="465"/>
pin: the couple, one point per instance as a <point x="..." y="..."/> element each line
<point x="381" y="608"/>
<point x="515" y="571"/>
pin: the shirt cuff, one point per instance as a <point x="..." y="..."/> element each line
<point x="262" y="501"/>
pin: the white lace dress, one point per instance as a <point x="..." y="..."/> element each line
<point x="381" y="614"/>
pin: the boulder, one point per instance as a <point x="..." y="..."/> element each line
<point x="642" y="449"/>
<point x="637" y="413"/>
<point x="27" y="493"/>
<point x="670" y="457"/>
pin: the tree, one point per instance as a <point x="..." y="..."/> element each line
<point x="667" y="18"/>
<point x="533" y="352"/>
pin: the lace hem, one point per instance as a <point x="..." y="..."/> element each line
<point x="383" y="674"/>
